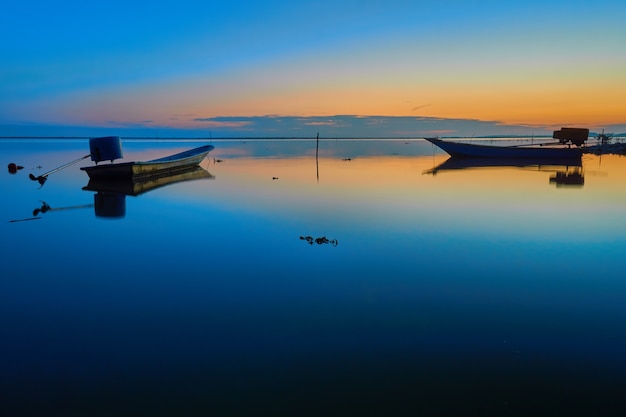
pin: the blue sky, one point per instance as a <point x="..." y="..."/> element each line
<point x="192" y="68"/>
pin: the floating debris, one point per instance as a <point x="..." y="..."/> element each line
<point x="319" y="240"/>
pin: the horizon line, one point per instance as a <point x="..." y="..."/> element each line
<point x="284" y="137"/>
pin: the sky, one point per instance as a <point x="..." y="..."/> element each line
<point x="274" y="68"/>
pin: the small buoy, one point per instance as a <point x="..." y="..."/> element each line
<point x="13" y="168"/>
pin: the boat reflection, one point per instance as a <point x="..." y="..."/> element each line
<point x="565" y="172"/>
<point x="572" y="177"/>
<point x="45" y="208"/>
<point x="110" y="197"/>
<point x="132" y="187"/>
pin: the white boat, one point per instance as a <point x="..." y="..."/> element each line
<point x="165" y="166"/>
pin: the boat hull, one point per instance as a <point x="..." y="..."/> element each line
<point x="471" y="150"/>
<point x="136" y="186"/>
<point x="157" y="167"/>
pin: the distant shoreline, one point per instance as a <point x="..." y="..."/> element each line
<point x="284" y="137"/>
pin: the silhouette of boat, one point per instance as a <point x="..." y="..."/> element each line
<point x="568" y="178"/>
<point x="473" y="150"/>
<point x="567" y="172"/>
<point x="157" y="167"/>
<point x="455" y="163"/>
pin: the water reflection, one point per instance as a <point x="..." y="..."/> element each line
<point x="109" y="205"/>
<point x="110" y="199"/>
<point x="565" y="173"/>
<point x="571" y="177"/>
<point x="45" y="207"/>
<point x="482" y="285"/>
<point x="134" y="187"/>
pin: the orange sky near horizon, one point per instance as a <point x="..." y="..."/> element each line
<point x="534" y="64"/>
<point x="542" y="100"/>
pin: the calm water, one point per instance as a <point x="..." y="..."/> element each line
<point x="485" y="290"/>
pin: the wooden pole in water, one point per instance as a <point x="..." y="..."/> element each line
<point x="317" y="151"/>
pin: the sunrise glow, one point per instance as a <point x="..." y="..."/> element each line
<point x="534" y="66"/>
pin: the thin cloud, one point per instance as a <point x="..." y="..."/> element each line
<point x="213" y="122"/>
<point x="327" y="123"/>
<point x="335" y="126"/>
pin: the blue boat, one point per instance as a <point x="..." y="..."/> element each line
<point x="473" y="150"/>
